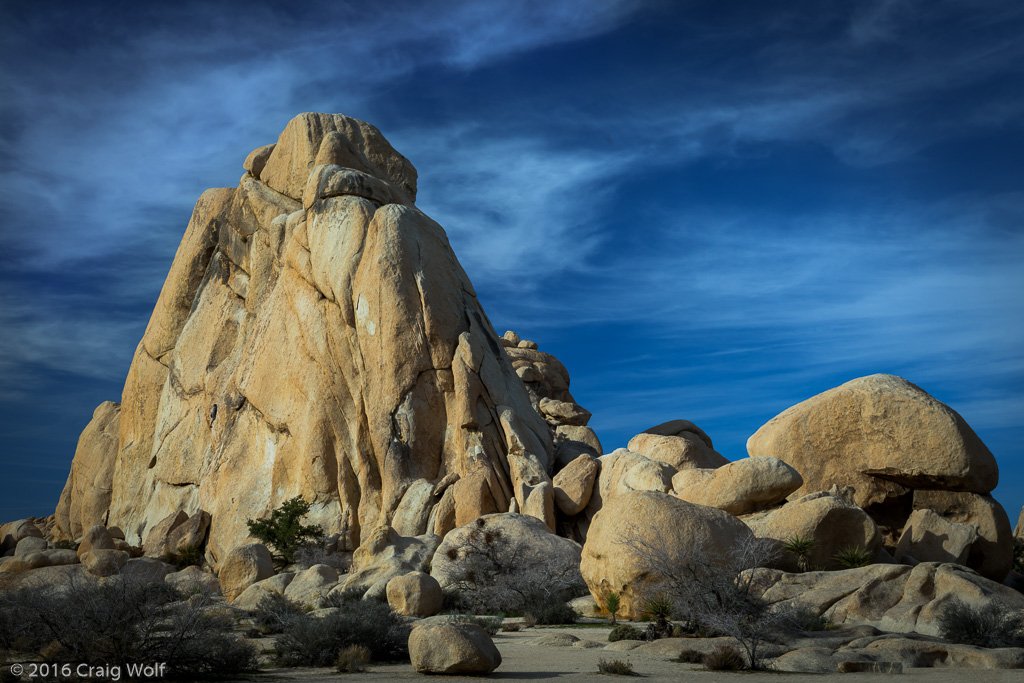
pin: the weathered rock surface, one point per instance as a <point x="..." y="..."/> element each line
<point x="251" y="596"/>
<point x="13" y="532"/>
<point x="244" y="566"/>
<point x="316" y="335"/>
<point x="312" y="585"/>
<point x="147" y="569"/>
<point x="574" y="484"/>
<point x="85" y="501"/>
<point x="992" y="553"/>
<point x="931" y="538"/>
<point x="452" y="649"/>
<point x="95" y="538"/>
<point x="535" y="543"/>
<point x="683" y="450"/>
<point x="1018" y="531"/>
<point x="654" y="518"/>
<point x="29" y="544"/>
<point x="192" y="580"/>
<point x="882" y="435"/>
<point x="826" y="519"/>
<point x="893" y="598"/>
<point x="103" y="562"/>
<point x="742" y="486"/>
<point x="571" y="442"/>
<point x="415" y="594"/>
<point x="384" y="555"/>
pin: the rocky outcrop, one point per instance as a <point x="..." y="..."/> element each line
<point x="652" y="520"/>
<point x="882" y="435"/>
<point x="384" y="555"/>
<point x="991" y="555"/>
<point x="678" y="443"/>
<point x="929" y="537"/>
<point x="316" y="335"/>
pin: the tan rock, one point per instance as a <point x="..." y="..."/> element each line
<point x="191" y="532"/>
<point x="30" y="544"/>
<point x="691" y="478"/>
<point x="563" y="412"/>
<point x="103" y="562"/>
<point x="384" y="555"/>
<point x="58" y="557"/>
<point x="415" y="594"/>
<point x="244" y="566"/>
<point x="95" y="538"/>
<point x="678" y="428"/>
<point x="883" y="436"/>
<point x="652" y="517"/>
<point x="1018" y="531"/>
<point x="13" y="532"/>
<point x="574" y="484"/>
<point x="992" y="554"/>
<point x="829" y="521"/>
<point x="743" y="486"/>
<point x="532" y="539"/>
<point x="312" y="585"/>
<point x="252" y="595"/>
<point x="146" y="569"/>
<point x="452" y="649"/>
<point x="413" y="512"/>
<point x="572" y="441"/>
<point x="623" y="472"/>
<point x="157" y="540"/>
<point x="257" y="159"/>
<point x="86" y="496"/>
<point x="683" y="451"/>
<point x="193" y="580"/>
<point x="445" y="513"/>
<point x="928" y="537"/>
<point x="538" y="501"/>
<point x="511" y="337"/>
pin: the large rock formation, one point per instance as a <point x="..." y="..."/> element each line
<point x="316" y="335"/>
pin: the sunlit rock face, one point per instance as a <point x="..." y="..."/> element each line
<point x="316" y="335"/>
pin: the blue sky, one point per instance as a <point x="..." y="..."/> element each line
<point x="706" y="210"/>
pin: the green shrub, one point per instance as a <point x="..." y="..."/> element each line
<point x="65" y="545"/>
<point x="852" y="556"/>
<point x="352" y="659"/>
<point x="184" y="556"/>
<point x="624" y="632"/>
<point x="801" y="546"/>
<point x="805" y="619"/>
<point x="284" y="532"/>
<point x="724" y="658"/>
<point x="552" y="613"/>
<point x="315" y="641"/>
<point x="615" y="667"/>
<point x="490" y="624"/>
<point x="991" y="625"/>
<point x="612" y="604"/>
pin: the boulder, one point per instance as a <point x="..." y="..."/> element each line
<point x="193" y="580"/>
<point x="415" y="594"/>
<point x="191" y="532"/>
<point x="742" y="486"/>
<point x="931" y="538"/>
<point x="882" y="435"/>
<point x="147" y="569"/>
<point x="12" y="533"/>
<point x="623" y="472"/>
<point x="157" y="539"/>
<point x="244" y="566"/>
<point x="384" y="555"/>
<point x="682" y="451"/>
<point x="571" y="442"/>
<point x="86" y="497"/>
<point x="101" y="562"/>
<point x="252" y="595"/>
<point x="58" y="557"/>
<point x="893" y="598"/>
<point x="311" y="585"/>
<point x="824" y="518"/>
<point x="655" y="519"/>
<point x="574" y="484"/>
<point x="317" y="335"/>
<point x="991" y="555"/>
<point x="95" y="538"/>
<point x="30" y="544"/>
<point x="534" y="542"/>
<point x="563" y="412"/>
<point x="452" y="649"/>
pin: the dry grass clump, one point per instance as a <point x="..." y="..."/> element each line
<point x="690" y="657"/>
<point x="615" y="667"/>
<point x="352" y="659"/>
<point x="724" y="658"/>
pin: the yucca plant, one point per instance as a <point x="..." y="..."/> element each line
<point x="611" y="603"/>
<point x="660" y="607"/>
<point x="852" y="556"/>
<point x="801" y="546"/>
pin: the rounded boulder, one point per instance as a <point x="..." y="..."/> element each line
<point x="452" y="649"/>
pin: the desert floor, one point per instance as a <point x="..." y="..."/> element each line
<point x="526" y="662"/>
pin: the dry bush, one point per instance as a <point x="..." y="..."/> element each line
<point x="122" y="621"/>
<point x="315" y="641"/>
<point x="273" y="612"/>
<point x="495" y="574"/>
<point x="724" y="658"/>
<point x="690" y="657"/>
<point x="991" y="625"/>
<point x="352" y="659"/>
<point x="625" y="632"/>
<point x="714" y="594"/>
<point x="615" y="667"/>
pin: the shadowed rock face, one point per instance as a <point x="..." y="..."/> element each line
<point x="315" y="335"/>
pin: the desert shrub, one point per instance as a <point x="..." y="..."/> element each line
<point x="612" y="604"/>
<point x="690" y="657"/>
<point x="724" y="658"/>
<point x="852" y="556"/>
<point x="123" y="621"/>
<point x="492" y="573"/>
<point x="315" y="641"/>
<point x="273" y="612"/>
<point x="990" y="625"/>
<point x="512" y="627"/>
<point x="352" y="659"/>
<point x="185" y="556"/>
<point x="529" y="621"/>
<point x="552" y="613"/>
<point x="284" y="531"/>
<point x="490" y="624"/>
<point x="65" y="545"/>
<point x="312" y="554"/>
<point x="714" y="593"/>
<point x="341" y="598"/>
<point x="615" y="667"/>
<point x="801" y="547"/>
<point x="625" y="632"/>
<point x="802" y="618"/>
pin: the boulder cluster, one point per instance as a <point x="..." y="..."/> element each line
<point x="317" y="336"/>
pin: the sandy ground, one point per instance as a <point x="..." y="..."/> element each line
<point x="525" y="662"/>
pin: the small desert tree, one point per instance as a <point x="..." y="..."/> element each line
<point x="284" y="531"/>
<point x="719" y="592"/>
